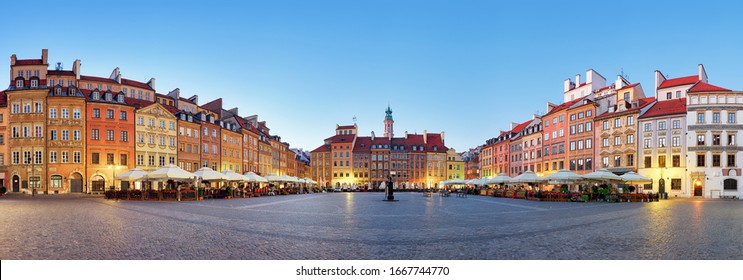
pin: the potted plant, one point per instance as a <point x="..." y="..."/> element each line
<point x="228" y="192"/>
<point x="200" y="193"/>
<point x="3" y="190"/>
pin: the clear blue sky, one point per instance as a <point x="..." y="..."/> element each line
<point x="465" y="67"/>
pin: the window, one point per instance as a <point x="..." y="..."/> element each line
<point x="731" y="160"/>
<point x="630" y="139"/>
<point x="716" y="117"/>
<point x="151" y="121"/>
<point x="122" y="159"/>
<point x="580" y="145"/>
<point x="75" y="157"/>
<point x="669" y="95"/>
<point x="580" y="128"/>
<point x="562" y="133"/>
<point x="605" y="125"/>
<point x="617" y="122"/>
<point x="617" y="140"/>
<point x="676" y="183"/>
<point x="700" y="117"/>
<point x="109" y="135"/>
<point x="676" y="141"/>
<point x="588" y="143"/>
<point x="572" y="118"/>
<point x="162" y="124"/>
<point x="65" y="113"/>
<point x="676" y="124"/>
<point x="76" y="113"/>
<point x="94" y="134"/>
<point x="716" y="160"/>
<point x="661" y="161"/>
<point x="661" y="125"/>
<point x="151" y="160"/>
<point x="124" y="136"/>
<point x="617" y="161"/>
<point x="700" y="160"/>
<point x="589" y="126"/>
<point x="53" y="135"/>
<point x="96" y="113"/>
<point x="27" y="108"/>
<point x="605" y="162"/>
<point x="572" y="129"/>
<point x="52" y="157"/>
<point x="588" y="113"/>
<point x="562" y="118"/>
<point x="172" y="125"/>
<point x="110" y="159"/>
<point x="122" y="115"/>
<point x="65" y="135"/>
<point x="731" y="118"/>
<point x="662" y="142"/>
<point x="731" y="139"/>
<point x="38" y="107"/>
<point x="140" y="159"/>
<point x="572" y="145"/>
<point x="715" y="139"/>
<point x="52" y="113"/>
<point x="580" y="115"/>
<point x="648" y="127"/>
<point x="95" y="158"/>
<point x="140" y="121"/>
<point x="589" y="162"/>
<point x="700" y="140"/>
<point x="630" y="160"/>
<point x="647" y="143"/>
<point x="162" y="160"/>
<point x="676" y="160"/>
<point x="605" y="142"/>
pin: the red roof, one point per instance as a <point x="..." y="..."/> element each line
<point x="135" y="83"/>
<point x="186" y="100"/>
<point x="3" y="99"/>
<point x="415" y="139"/>
<point x="679" y="81"/>
<point x="641" y="104"/>
<point x="29" y="62"/>
<point x="563" y="106"/>
<point x="96" y="79"/>
<point x="139" y="103"/>
<point x="520" y="127"/>
<point x="629" y="86"/>
<point x="323" y="148"/>
<point x="363" y="144"/>
<point x="60" y="72"/>
<point x="702" y="86"/>
<point x="346" y="127"/>
<point x="345" y="138"/>
<point x="667" y="107"/>
<point x="434" y="139"/>
<point x="172" y="109"/>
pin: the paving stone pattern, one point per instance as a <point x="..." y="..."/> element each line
<point x="362" y="226"/>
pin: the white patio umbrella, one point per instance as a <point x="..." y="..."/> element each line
<point x="131" y="175"/>
<point x="255" y="178"/>
<point x="170" y="172"/>
<point x="603" y="175"/>
<point x="563" y="176"/>
<point x="527" y="177"/>
<point x="453" y="182"/>
<point x="233" y="177"/>
<point x="479" y="182"/>
<point x="500" y="179"/>
<point x="274" y="178"/>
<point x="208" y="174"/>
<point x="634" y="178"/>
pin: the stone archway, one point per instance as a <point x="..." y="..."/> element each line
<point x="698" y="187"/>
<point x="76" y="182"/>
<point x="97" y="183"/>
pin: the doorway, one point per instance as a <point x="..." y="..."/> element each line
<point x="76" y="183"/>
<point x="16" y="182"/>
<point x="698" y="188"/>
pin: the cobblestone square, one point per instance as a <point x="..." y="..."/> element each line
<point x="362" y="226"/>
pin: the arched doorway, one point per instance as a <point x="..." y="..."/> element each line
<point x="76" y="183"/>
<point x="98" y="183"/>
<point x="698" y="187"/>
<point x="16" y="183"/>
<point x="730" y="185"/>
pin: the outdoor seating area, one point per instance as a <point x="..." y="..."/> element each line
<point x="171" y="183"/>
<point x="561" y="186"/>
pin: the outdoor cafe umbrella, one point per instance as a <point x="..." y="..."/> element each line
<point x="479" y="182"/>
<point x="603" y="175"/>
<point x="500" y="179"/>
<point x="527" y="177"/>
<point x="634" y="178"/>
<point x="208" y="174"/>
<point x="274" y="178"/>
<point x="232" y="176"/>
<point x="254" y="178"/>
<point x="135" y="174"/>
<point x="563" y="176"/>
<point x="170" y="172"/>
<point x="454" y="182"/>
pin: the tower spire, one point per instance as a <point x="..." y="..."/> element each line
<point x="388" y="123"/>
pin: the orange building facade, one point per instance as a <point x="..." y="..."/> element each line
<point x="66" y="139"/>
<point x="110" y="140"/>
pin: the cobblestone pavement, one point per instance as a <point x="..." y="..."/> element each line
<point x="362" y="226"/>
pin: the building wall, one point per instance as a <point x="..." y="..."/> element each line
<point x="454" y="165"/>
<point x="580" y="138"/>
<point x="189" y="145"/>
<point x="4" y="137"/>
<point x="156" y="133"/>
<point x="250" y="151"/>
<point x="648" y="160"/>
<point x="100" y="171"/>
<point x="231" y="150"/>
<point x="27" y="150"/>
<point x="533" y="150"/>
<point x="211" y="141"/>
<point x="710" y="174"/>
<point x="67" y="152"/>
<point x="555" y="144"/>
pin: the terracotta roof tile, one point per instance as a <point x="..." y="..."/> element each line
<point x="563" y="106"/>
<point x="96" y="79"/>
<point x="60" y="72"/>
<point x="321" y="149"/>
<point x="679" y="81"/>
<point x="29" y="62"/>
<point x="346" y="138"/>
<point x="3" y="99"/>
<point x="346" y="127"/>
<point x="363" y="144"/>
<point x="702" y="86"/>
<point x="138" y="102"/>
<point x="135" y="83"/>
<point x="667" y="107"/>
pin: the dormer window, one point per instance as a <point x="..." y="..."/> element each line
<point x="57" y="91"/>
<point x="108" y="96"/>
<point x="34" y="83"/>
<point x="121" y="98"/>
<point x="19" y="83"/>
<point x="96" y="95"/>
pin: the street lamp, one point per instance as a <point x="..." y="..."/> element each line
<point x="113" y="177"/>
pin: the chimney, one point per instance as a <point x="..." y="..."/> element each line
<point x="13" y="58"/>
<point x="442" y="136"/>
<point x="372" y="135"/>
<point x="550" y="106"/>
<point x="44" y="56"/>
<point x="659" y="78"/>
<point x="116" y="75"/>
<point x="425" y="136"/>
<point x="406" y="134"/>
<point x="568" y="85"/>
<point x="513" y="125"/>
<point x="194" y="99"/>
<point x="175" y="94"/>
<point x="233" y="110"/>
<point x="702" y="73"/>
<point x="535" y="116"/>
<point x="76" y="69"/>
<point x="618" y="83"/>
<point x="577" y="80"/>
<point x="151" y="83"/>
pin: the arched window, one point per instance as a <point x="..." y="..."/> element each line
<point x="731" y="184"/>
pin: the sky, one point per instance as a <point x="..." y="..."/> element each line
<point x="468" y="68"/>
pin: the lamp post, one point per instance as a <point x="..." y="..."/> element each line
<point x="113" y="177"/>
